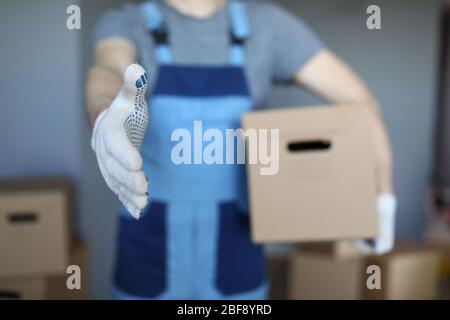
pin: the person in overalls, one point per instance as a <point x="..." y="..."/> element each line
<point x="184" y="228"/>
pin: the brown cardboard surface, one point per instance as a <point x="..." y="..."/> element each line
<point x="34" y="235"/>
<point x="32" y="184"/>
<point x="317" y="276"/>
<point x="339" y="250"/>
<point x="277" y="269"/>
<point x="317" y="195"/>
<point x="56" y="284"/>
<point x="32" y="288"/>
<point x="62" y="184"/>
<point x="48" y="287"/>
<point x="444" y="249"/>
<point x="409" y="272"/>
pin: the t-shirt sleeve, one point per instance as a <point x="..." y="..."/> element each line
<point x="293" y="43"/>
<point x="114" y="23"/>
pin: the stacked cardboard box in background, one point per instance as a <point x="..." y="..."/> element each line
<point x="408" y="272"/>
<point x="437" y="234"/>
<point x="35" y="241"/>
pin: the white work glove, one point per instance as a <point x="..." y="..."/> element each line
<point x="387" y="205"/>
<point x="117" y="137"/>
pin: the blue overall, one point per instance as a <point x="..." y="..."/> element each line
<point x="193" y="241"/>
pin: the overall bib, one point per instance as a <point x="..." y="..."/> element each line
<point x="193" y="241"/>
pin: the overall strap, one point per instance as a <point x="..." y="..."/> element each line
<point x="240" y="31"/>
<point x="154" y="21"/>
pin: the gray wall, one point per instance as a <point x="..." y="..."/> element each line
<point x="40" y="115"/>
<point x="43" y="128"/>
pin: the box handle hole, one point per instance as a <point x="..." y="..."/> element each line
<point x="9" y="295"/>
<point x="22" y="217"/>
<point x="308" y="146"/>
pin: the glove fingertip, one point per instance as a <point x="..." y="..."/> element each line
<point x="141" y="184"/>
<point x="135" y="161"/>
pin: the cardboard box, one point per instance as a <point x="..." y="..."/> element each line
<point x="444" y="274"/>
<point x="52" y="287"/>
<point x="409" y="272"/>
<point x="325" y="188"/>
<point x="444" y="249"/>
<point x="277" y="268"/>
<point x="340" y="250"/>
<point x="56" y="284"/>
<point x="33" y="288"/>
<point x="34" y="233"/>
<point x="315" y="276"/>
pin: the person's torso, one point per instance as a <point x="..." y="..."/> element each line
<point x="205" y="42"/>
<point x="193" y="107"/>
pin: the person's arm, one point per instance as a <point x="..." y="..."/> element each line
<point x="115" y="89"/>
<point x="104" y="79"/>
<point x="330" y="78"/>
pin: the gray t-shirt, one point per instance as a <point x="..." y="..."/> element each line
<point x="278" y="46"/>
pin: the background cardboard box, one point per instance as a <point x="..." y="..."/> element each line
<point x="409" y="272"/>
<point x="277" y="270"/>
<point x="33" y="288"/>
<point x="319" y="276"/>
<point x="325" y="186"/>
<point x="34" y="232"/>
<point x="444" y="275"/>
<point x="56" y="284"/>
<point x="48" y="287"/>
<point x="340" y="250"/>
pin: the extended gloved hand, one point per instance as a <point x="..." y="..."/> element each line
<point x="117" y="138"/>
<point x="387" y="205"/>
